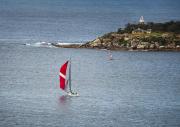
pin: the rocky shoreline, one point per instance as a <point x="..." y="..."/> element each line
<point x="80" y="46"/>
<point x="131" y="43"/>
<point x="134" y="38"/>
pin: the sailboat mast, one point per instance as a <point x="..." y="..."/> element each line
<point x="70" y="75"/>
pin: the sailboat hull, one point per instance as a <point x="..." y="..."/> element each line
<point x="73" y="94"/>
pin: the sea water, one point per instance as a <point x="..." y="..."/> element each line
<point x="139" y="89"/>
<point x="77" y="20"/>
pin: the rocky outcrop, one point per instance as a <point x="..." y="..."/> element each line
<point x="115" y="41"/>
<point x="134" y="38"/>
<point x="67" y="45"/>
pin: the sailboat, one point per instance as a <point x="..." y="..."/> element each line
<point x="64" y="83"/>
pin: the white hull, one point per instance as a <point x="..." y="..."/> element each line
<point x="73" y="95"/>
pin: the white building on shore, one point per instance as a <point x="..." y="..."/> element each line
<point x="141" y="20"/>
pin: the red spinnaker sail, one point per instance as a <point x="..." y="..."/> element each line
<point x="62" y="75"/>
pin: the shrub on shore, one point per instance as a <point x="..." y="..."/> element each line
<point x="171" y="26"/>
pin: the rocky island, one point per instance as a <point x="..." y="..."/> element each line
<point x="142" y="36"/>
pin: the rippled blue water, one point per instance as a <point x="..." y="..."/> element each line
<point x="77" y="20"/>
<point x="139" y="89"/>
<point x="136" y="89"/>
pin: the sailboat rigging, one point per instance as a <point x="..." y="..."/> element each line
<point x="64" y="83"/>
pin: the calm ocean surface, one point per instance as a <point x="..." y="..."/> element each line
<point x="77" y="20"/>
<point x="136" y="89"/>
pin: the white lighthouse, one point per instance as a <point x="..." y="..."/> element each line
<point x="141" y="20"/>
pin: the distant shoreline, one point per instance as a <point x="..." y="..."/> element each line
<point x="137" y="37"/>
<point x="82" y="46"/>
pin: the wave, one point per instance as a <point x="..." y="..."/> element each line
<point x="52" y="45"/>
<point x="40" y="44"/>
<point x="62" y="43"/>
